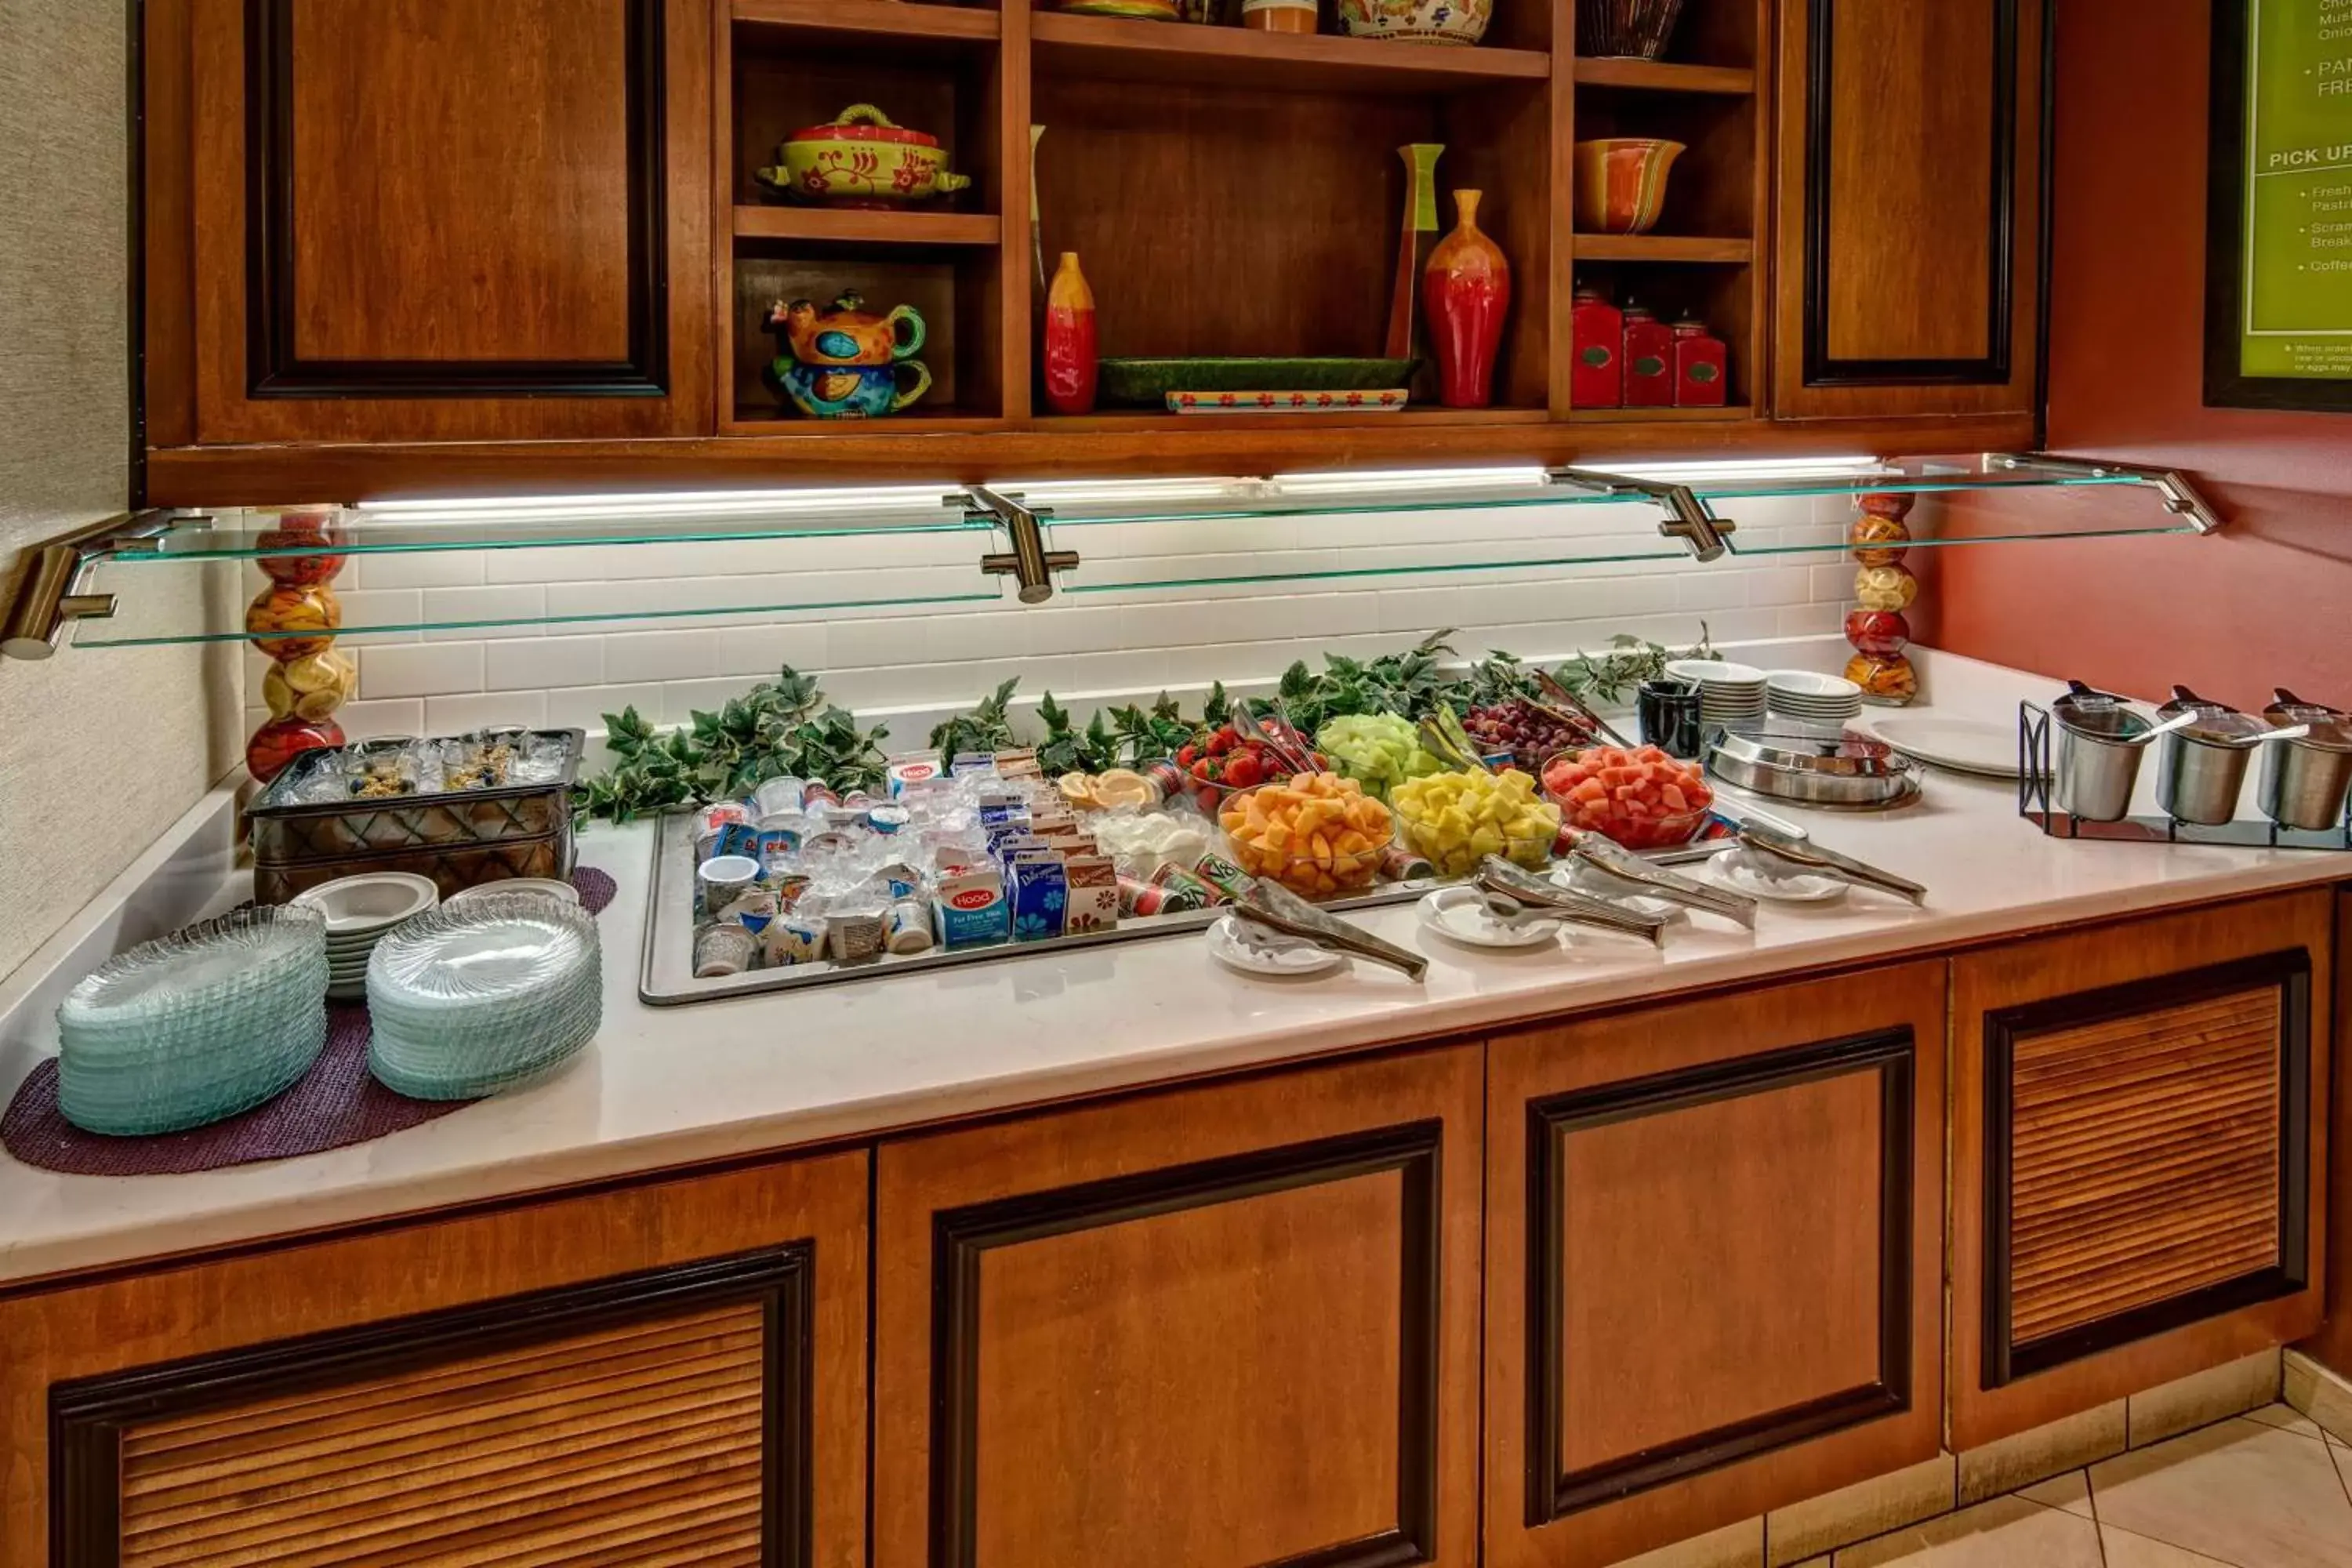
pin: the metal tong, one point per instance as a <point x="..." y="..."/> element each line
<point x="1278" y="909"/>
<point x="1514" y="894"/>
<point x="1622" y="870"/>
<point x="1803" y="855"/>
<point x="1579" y="709"/>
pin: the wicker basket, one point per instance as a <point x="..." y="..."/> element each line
<point x="460" y="839"/>
<point x="1625" y="30"/>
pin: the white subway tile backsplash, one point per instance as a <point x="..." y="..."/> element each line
<point x="456" y="715"/>
<point x="584" y="707"/>
<point x="421" y="669"/>
<point x="659" y="656"/>
<point x="907" y="622"/>
<point x="430" y="569"/>
<point x="542" y="664"/>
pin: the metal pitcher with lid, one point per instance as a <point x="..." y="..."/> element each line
<point x="2305" y="780"/>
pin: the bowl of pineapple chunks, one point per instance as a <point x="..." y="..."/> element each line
<point x="1316" y="834"/>
<point x="1457" y="820"/>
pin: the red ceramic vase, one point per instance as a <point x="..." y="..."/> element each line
<point x="1071" y="362"/>
<point x="1465" y="292"/>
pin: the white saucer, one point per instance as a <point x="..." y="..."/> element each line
<point x="1227" y="946"/>
<point x="1737" y="869"/>
<point x="371" y="902"/>
<point x="1459" y="914"/>
<point x="542" y="887"/>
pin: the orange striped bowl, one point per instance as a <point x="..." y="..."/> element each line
<point x="1620" y="184"/>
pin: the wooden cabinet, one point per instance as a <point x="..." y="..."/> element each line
<point x="431" y="220"/>
<point x="674" y="1373"/>
<point x="1713" y="1250"/>
<point x="1909" y="229"/>
<point x="1206" y="1329"/>
<point x="2139" y="1139"/>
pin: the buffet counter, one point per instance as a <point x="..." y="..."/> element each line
<point x="1590" y="1248"/>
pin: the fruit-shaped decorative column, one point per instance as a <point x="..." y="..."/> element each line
<point x="1465" y="292"/>
<point x="1885" y="588"/>
<point x="308" y="679"/>
<point x="1070" y="356"/>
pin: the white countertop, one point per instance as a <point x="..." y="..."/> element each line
<point x="663" y="1087"/>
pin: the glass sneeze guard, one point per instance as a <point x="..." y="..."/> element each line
<point x="948" y="545"/>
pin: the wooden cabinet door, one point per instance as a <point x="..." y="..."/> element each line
<point x="2138" y="1155"/>
<point x="1909" y="229"/>
<point x="439" y="219"/>
<point x="1714" y="1256"/>
<point x="669" y="1374"/>
<point x="1214" y="1327"/>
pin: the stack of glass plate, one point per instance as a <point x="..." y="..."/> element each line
<point x="476" y="996"/>
<point x="194" y="1027"/>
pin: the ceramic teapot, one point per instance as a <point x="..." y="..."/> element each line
<point x="847" y="334"/>
<point x="852" y="392"/>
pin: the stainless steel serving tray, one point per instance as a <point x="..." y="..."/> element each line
<point x="666" y="978"/>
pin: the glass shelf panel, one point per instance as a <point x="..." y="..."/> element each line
<point x="408" y="528"/>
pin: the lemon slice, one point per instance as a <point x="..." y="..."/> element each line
<point x="1078" y="789"/>
<point x="1125" y="786"/>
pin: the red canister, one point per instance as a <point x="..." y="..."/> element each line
<point x="1649" y="360"/>
<point x="1702" y="366"/>
<point x="1598" y="330"/>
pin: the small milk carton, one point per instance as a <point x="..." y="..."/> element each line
<point x="1040" y="893"/>
<point x="1094" y="894"/>
<point x="970" y="906"/>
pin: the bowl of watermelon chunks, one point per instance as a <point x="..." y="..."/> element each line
<point x="1641" y="797"/>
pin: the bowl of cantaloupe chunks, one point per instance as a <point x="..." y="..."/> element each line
<point x="1640" y="797"/>
<point x="1316" y="834"/>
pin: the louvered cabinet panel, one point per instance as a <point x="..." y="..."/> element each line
<point x="2144" y="1160"/>
<point x="2137" y="1133"/>
<point x="640" y="1446"/>
<point x="664" y="1376"/>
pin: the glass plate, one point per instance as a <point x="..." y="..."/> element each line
<point x="508" y="951"/>
<point x="217" y="967"/>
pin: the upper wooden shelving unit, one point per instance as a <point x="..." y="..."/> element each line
<point x="1111" y="47"/>
<point x="1666" y="75"/>
<point x="892" y="18"/>
<point x="1662" y="248"/>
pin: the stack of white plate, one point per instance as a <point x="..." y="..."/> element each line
<point x="478" y="995"/>
<point x="1818" y="698"/>
<point x="196" y="1025"/>
<point x="1731" y="696"/>
<point x="359" y="910"/>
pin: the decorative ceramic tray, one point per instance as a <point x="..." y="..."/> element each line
<point x="1389" y="401"/>
<point x="1146" y="383"/>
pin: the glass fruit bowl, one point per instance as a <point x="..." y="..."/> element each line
<point x="1456" y="820"/>
<point x="1317" y="834"/>
<point x="1639" y="798"/>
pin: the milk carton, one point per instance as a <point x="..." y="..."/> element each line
<point x="970" y="905"/>
<point x="1040" y="893"/>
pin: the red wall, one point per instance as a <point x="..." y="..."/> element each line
<point x="2269" y="601"/>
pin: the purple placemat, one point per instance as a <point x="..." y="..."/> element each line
<point x="335" y="1104"/>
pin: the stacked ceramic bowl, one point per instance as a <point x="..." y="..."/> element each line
<point x="359" y="910"/>
<point x="1731" y="696"/>
<point x="194" y="1027"/>
<point x="1816" y="699"/>
<point x="481" y="993"/>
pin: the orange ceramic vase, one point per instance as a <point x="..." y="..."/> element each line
<point x="1465" y="292"/>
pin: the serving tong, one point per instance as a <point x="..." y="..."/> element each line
<point x="1271" y="907"/>
<point x="1802" y="855"/>
<point x="1619" y="869"/>
<point x="1518" y="897"/>
<point x="1577" y="709"/>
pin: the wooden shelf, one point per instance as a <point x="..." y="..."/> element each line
<point x="1117" y="49"/>
<point x="1665" y="76"/>
<point x="1675" y="248"/>
<point x="892" y="18"/>
<point x="863" y="226"/>
<point x="1137" y="420"/>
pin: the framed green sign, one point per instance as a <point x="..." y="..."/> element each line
<point x="2278" y="268"/>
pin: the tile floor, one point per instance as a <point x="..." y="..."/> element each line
<point x="2267" y="1489"/>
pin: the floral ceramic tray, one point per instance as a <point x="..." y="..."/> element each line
<point x="1388" y="401"/>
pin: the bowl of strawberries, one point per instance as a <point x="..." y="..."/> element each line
<point x="1219" y="763"/>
